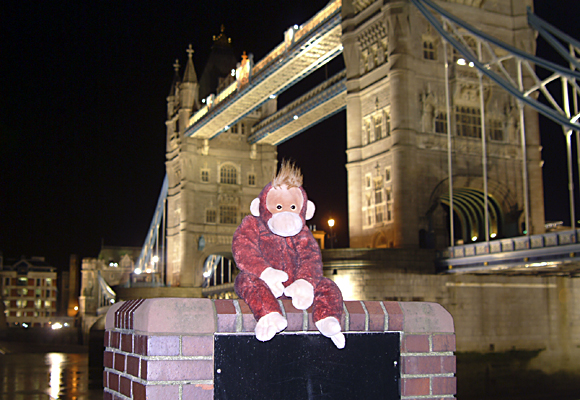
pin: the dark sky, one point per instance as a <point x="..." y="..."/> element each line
<point x="83" y="108"/>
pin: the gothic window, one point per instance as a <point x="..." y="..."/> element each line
<point x="228" y="214"/>
<point x="388" y="174"/>
<point x="235" y="129"/>
<point x="441" y="122"/>
<point x="428" y="50"/>
<point x="378" y="196"/>
<point x="228" y="174"/>
<point x="468" y="121"/>
<point x="379" y="214"/>
<point x="210" y="216"/>
<point x="205" y="175"/>
<point x="495" y="130"/>
<point x="389" y="204"/>
<point x="378" y="127"/>
<point x="243" y="128"/>
<point x="387" y="125"/>
<point x="379" y="200"/>
<point x="367" y="132"/>
<point x="368" y="181"/>
<point x="251" y="180"/>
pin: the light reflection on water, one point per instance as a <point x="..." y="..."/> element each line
<point x="46" y="376"/>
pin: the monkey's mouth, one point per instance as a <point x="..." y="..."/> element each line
<point x="285" y="224"/>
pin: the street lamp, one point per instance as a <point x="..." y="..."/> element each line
<point x="331" y="225"/>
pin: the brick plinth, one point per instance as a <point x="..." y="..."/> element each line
<point x="164" y="348"/>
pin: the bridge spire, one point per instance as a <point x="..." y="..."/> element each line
<point x="189" y="75"/>
<point x="176" y="78"/>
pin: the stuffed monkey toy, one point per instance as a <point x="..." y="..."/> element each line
<point x="277" y="255"/>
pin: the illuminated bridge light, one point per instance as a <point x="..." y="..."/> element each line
<point x="296" y="117"/>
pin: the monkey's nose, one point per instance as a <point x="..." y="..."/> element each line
<point x="285" y="224"/>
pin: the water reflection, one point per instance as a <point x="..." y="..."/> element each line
<point x="45" y="376"/>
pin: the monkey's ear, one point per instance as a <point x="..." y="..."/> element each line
<point x="255" y="207"/>
<point x="310" y="208"/>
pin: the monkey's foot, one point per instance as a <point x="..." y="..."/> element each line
<point x="330" y="327"/>
<point x="269" y="325"/>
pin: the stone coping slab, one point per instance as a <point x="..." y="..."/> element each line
<point x="184" y="316"/>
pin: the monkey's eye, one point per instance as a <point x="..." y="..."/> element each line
<point x="293" y="207"/>
<point x="279" y="207"/>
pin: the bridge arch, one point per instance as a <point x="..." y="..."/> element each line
<point x="219" y="268"/>
<point x="469" y="209"/>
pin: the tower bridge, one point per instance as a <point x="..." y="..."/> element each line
<point x="423" y="80"/>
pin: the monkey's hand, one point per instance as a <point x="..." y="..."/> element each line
<point x="274" y="278"/>
<point x="330" y="327"/>
<point x="269" y="325"/>
<point x="302" y="293"/>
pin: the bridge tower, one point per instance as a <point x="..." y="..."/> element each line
<point x="397" y="162"/>
<point x="211" y="181"/>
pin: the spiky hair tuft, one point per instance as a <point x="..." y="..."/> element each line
<point x="289" y="175"/>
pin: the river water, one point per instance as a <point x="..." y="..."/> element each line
<point x="32" y="372"/>
<point x="44" y="376"/>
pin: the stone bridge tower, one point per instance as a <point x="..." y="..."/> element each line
<point x="397" y="128"/>
<point x="211" y="182"/>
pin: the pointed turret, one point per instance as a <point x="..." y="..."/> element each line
<point x="190" y="75"/>
<point x="172" y="98"/>
<point x="172" y="109"/>
<point x="188" y="93"/>
<point x="176" y="79"/>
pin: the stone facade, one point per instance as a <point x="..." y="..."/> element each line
<point x="211" y="182"/>
<point x="397" y="125"/>
<point x="492" y="313"/>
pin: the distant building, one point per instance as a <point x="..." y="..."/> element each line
<point x="112" y="267"/>
<point x="29" y="289"/>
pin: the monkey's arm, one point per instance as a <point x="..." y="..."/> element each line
<point x="246" y="247"/>
<point x="309" y="258"/>
<point x="251" y="259"/>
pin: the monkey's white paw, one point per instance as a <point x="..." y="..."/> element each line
<point x="302" y="293"/>
<point x="274" y="278"/>
<point x="330" y="327"/>
<point x="269" y="325"/>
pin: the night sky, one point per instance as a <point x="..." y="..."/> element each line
<point x="83" y="109"/>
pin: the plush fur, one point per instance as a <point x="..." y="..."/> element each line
<point x="256" y="248"/>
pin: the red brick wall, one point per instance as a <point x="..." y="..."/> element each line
<point x="163" y="348"/>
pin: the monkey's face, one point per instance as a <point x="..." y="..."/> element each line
<point x="285" y="205"/>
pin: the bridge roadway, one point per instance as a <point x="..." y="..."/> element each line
<point x="304" y="50"/>
<point x="554" y="253"/>
<point x="320" y="103"/>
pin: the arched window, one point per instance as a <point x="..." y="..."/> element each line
<point x="228" y="174"/>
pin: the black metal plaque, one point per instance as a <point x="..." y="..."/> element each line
<point x="307" y="366"/>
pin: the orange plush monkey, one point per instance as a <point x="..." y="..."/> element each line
<point x="277" y="255"/>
